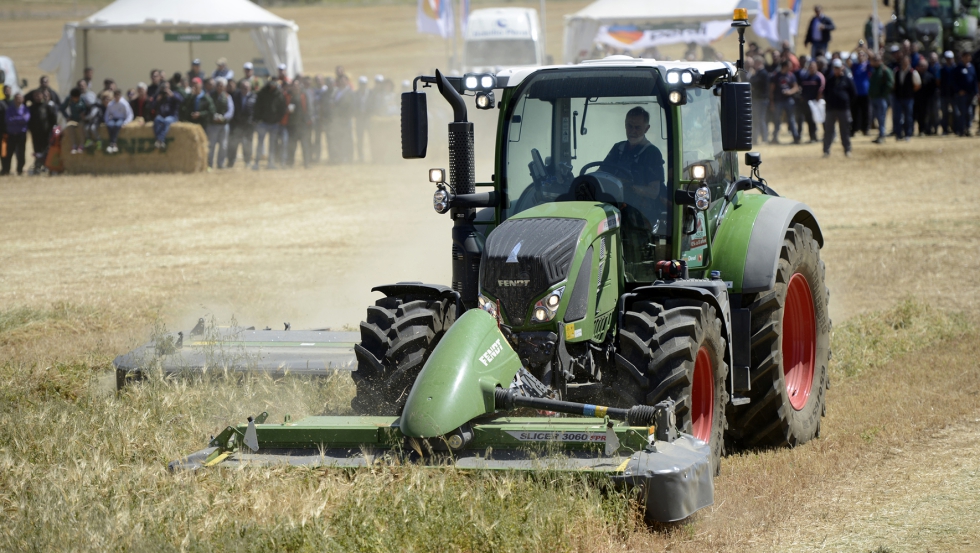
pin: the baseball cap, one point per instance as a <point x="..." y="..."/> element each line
<point x="379" y="78"/>
<point x="222" y="61"/>
<point x="282" y="66"/>
<point x="196" y="80"/>
<point x="837" y="63"/>
<point x="948" y="54"/>
<point x="248" y="65"/>
<point x="362" y="79"/>
<point x="196" y="62"/>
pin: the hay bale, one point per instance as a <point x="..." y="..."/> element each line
<point x="187" y="151"/>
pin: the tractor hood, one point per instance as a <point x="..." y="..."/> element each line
<point x="458" y="380"/>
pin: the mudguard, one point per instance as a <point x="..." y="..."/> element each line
<point x="747" y="244"/>
<point x="458" y="380"/>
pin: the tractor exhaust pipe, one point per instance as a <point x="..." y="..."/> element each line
<point x="467" y="248"/>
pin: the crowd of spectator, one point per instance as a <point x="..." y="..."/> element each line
<point x="853" y="91"/>
<point x="326" y="118"/>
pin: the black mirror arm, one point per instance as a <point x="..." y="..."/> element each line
<point x="746" y="183"/>
<point x="479" y="199"/>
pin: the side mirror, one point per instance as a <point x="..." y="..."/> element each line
<point x="736" y="116"/>
<point x="415" y="125"/>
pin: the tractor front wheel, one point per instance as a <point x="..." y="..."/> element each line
<point x="396" y="339"/>
<point x="790" y="351"/>
<point x="675" y="350"/>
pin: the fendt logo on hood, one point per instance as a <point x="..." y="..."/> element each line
<point x="490" y="354"/>
<point x="512" y="283"/>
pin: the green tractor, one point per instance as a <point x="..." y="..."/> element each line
<point x="622" y="300"/>
<point x="936" y="25"/>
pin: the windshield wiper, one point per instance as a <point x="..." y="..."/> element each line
<point x="585" y="113"/>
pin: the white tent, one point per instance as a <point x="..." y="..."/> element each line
<point x="665" y="21"/>
<point x="128" y="38"/>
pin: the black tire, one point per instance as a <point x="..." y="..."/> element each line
<point x="396" y="340"/>
<point x="777" y="415"/>
<point x="658" y="358"/>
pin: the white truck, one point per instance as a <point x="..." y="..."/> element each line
<point x="496" y="38"/>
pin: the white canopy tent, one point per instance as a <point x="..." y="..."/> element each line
<point x="665" y="22"/>
<point x="128" y="38"/>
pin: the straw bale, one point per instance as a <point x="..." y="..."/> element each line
<point x="187" y="151"/>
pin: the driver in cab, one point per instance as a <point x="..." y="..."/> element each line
<point x="640" y="165"/>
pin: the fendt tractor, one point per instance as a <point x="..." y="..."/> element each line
<point x="622" y="300"/>
<point x="937" y="25"/>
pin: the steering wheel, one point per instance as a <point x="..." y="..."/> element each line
<point x="615" y="170"/>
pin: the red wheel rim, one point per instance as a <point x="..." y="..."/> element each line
<point x="702" y="396"/>
<point x="799" y="341"/>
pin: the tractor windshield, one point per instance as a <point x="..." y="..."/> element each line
<point x="598" y="135"/>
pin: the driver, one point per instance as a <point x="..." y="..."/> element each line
<point x="641" y="165"/>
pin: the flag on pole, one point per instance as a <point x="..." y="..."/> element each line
<point x="766" y="24"/>
<point x="464" y="17"/>
<point x="435" y="17"/>
<point x="794" y="24"/>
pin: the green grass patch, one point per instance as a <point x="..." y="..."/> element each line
<point x="871" y="340"/>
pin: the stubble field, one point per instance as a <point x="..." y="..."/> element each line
<point x="88" y="266"/>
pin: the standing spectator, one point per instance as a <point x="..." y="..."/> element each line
<point x="109" y="85"/>
<point x="839" y="94"/>
<point x="242" y="124"/>
<point x="43" y="87"/>
<point x="964" y="90"/>
<point x="759" y="81"/>
<point x="784" y="87"/>
<point x="74" y="109"/>
<point x="176" y="84"/>
<point x="298" y="123"/>
<point x="786" y="53"/>
<point x="861" y="107"/>
<point x="198" y="106"/>
<point x="906" y="84"/>
<point x="947" y="78"/>
<point x="223" y="71"/>
<point x="44" y="117"/>
<point x="818" y="32"/>
<point x="87" y="77"/>
<point x="166" y="106"/>
<point x="361" y="114"/>
<point x="812" y="83"/>
<point x="324" y="89"/>
<point x="142" y="104"/>
<point x="117" y="114"/>
<point x="270" y="107"/>
<point x="924" y="98"/>
<point x="195" y="72"/>
<point x="217" y="127"/>
<point x="880" y="87"/>
<point x="869" y="31"/>
<point x="17" y="118"/>
<point x="94" y="118"/>
<point x="248" y="74"/>
<point x="341" y="134"/>
<point x="283" y="76"/>
<point x="4" y="160"/>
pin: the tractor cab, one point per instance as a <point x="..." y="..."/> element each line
<point x="607" y="132"/>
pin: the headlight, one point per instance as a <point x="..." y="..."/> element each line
<point x="437" y="175"/>
<point x="702" y="198"/>
<point x="677" y="97"/>
<point x="441" y="200"/>
<point x="540" y="314"/>
<point x="487" y="305"/>
<point x="470" y="82"/>
<point x="547" y="307"/>
<point x="673" y="77"/>
<point x="487" y="82"/>
<point x="687" y="78"/>
<point x="698" y="172"/>
<point x="484" y="100"/>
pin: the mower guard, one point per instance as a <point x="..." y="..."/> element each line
<point x="237" y="350"/>
<point x="674" y="478"/>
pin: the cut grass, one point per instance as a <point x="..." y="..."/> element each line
<point x="78" y="460"/>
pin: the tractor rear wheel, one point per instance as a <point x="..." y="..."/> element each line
<point x="675" y="350"/>
<point x="790" y="351"/>
<point x="396" y="339"/>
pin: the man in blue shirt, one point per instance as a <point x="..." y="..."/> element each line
<point x="964" y="91"/>
<point x="860" y="108"/>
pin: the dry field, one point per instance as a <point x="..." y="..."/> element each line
<point x="88" y="266"/>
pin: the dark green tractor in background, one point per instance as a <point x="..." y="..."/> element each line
<point x="937" y="25"/>
<point x="616" y="267"/>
